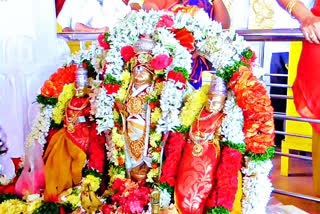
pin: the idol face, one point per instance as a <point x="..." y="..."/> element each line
<point x="141" y="75"/>
<point x="215" y="103"/>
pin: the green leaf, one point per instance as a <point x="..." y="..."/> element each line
<point x="166" y="186"/>
<point x="95" y="173"/>
<point x="7" y="196"/>
<point x="248" y="54"/>
<point x="106" y="37"/>
<point x="262" y="157"/>
<point x="218" y="210"/>
<point x="183" y="71"/>
<point x="91" y="71"/>
<point x="227" y="72"/>
<point x="48" y="207"/>
<point x="182" y="129"/>
<point x="240" y="147"/>
<point x="112" y="80"/>
<point x="56" y="125"/>
<point x="52" y="101"/>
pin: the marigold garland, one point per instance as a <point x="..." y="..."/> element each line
<point x="193" y="105"/>
<point x="258" y="113"/>
<point x="66" y="95"/>
<point x="13" y="206"/>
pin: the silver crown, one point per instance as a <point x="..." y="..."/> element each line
<point x="218" y="86"/>
<point x="81" y="77"/>
<point x="145" y="44"/>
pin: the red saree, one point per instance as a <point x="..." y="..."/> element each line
<point x="196" y="174"/>
<point x="306" y="88"/>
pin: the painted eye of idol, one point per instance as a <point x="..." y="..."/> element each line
<point x="139" y="69"/>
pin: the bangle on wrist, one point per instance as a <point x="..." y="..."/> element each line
<point x="291" y="5"/>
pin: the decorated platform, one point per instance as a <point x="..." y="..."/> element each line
<point x="165" y="114"/>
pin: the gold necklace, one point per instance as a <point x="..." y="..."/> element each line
<point x="70" y="123"/>
<point x="198" y="146"/>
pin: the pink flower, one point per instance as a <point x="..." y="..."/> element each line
<point x="162" y="61"/>
<point x="165" y="21"/>
<point x="127" y="53"/>
<point x="102" y="42"/>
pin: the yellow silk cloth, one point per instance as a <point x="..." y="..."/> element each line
<point x="64" y="162"/>
<point x="237" y="206"/>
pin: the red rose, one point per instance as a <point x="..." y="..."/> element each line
<point x="186" y="39"/>
<point x="102" y="42"/>
<point x="152" y="105"/>
<point x="165" y="21"/>
<point x="177" y="77"/>
<point x="106" y="209"/>
<point x="162" y="61"/>
<point x="111" y="88"/>
<point x="127" y="53"/>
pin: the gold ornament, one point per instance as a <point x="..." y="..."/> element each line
<point x="197" y="150"/>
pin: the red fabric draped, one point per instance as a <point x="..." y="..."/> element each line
<point x="59" y="5"/>
<point x="306" y="88"/>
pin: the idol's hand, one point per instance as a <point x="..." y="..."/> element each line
<point x="310" y="27"/>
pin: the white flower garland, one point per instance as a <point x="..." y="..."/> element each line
<point x="170" y="103"/>
<point x="232" y="123"/>
<point x="257" y="186"/>
<point x="104" y="110"/>
<point x="40" y="127"/>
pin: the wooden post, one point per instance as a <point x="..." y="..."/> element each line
<point x="316" y="162"/>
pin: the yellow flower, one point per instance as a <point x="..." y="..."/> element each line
<point x="33" y="206"/>
<point x="117" y="138"/>
<point x="125" y="81"/>
<point x="156" y="156"/>
<point x="121" y="95"/>
<point x="74" y="200"/>
<point x="93" y="181"/>
<point x="152" y="174"/>
<point x="193" y="105"/>
<point x="115" y="173"/>
<point x="66" y="95"/>
<point x="154" y="137"/>
<point x="13" y="206"/>
<point x="157" y="89"/>
<point x="116" y="115"/>
<point x="156" y="115"/>
<point x="159" y="72"/>
<point x="125" y="78"/>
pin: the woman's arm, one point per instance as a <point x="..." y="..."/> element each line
<point x="84" y="28"/>
<point x="310" y="24"/>
<point x="221" y="13"/>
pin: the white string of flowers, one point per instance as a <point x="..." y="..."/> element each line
<point x="170" y="104"/>
<point x="232" y="123"/>
<point x="257" y="186"/>
<point x="40" y="126"/>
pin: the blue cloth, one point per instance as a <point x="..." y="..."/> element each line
<point x="204" y="4"/>
<point x="199" y="63"/>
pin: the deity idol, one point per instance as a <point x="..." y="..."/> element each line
<point x="136" y="112"/>
<point x="70" y="148"/>
<point x="201" y="153"/>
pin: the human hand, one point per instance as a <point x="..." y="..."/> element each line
<point x="102" y="30"/>
<point x="310" y="27"/>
